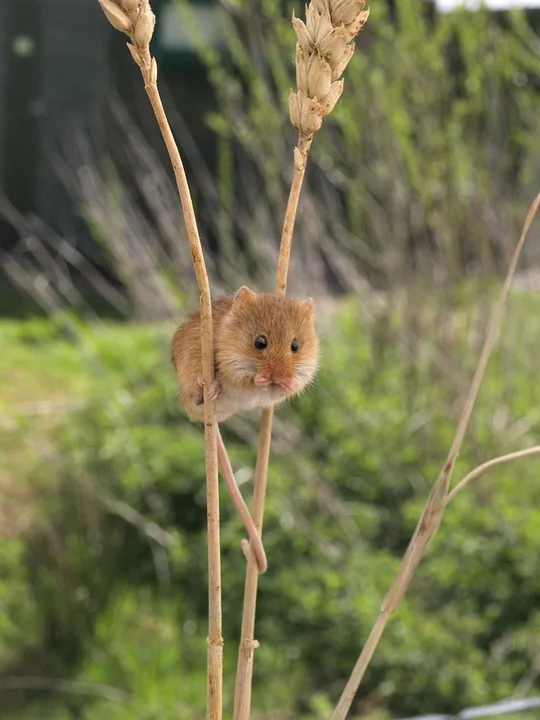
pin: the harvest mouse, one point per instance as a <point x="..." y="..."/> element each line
<point x="266" y="350"/>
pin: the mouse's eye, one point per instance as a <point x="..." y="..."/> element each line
<point x="295" y="345"/>
<point x="261" y="342"/>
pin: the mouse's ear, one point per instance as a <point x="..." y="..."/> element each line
<point x="309" y="304"/>
<point x="243" y="295"/>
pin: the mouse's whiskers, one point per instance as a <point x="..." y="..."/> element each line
<point x="303" y="374"/>
<point x="240" y="366"/>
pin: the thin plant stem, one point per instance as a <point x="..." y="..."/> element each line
<point x="318" y="90"/>
<point x="301" y="154"/>
<point x="433" y="511"/>
<point x="215" y="637"/>
<point x="135" y="19"/>
<point x="481" y="469"/>
<point x="244" y="670"/>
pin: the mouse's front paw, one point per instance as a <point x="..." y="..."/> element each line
<point x="215" y="388"/>
<point x="262" y="381"/>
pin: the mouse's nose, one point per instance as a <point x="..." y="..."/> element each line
<point x="282" y="382"/>
<point x="279" y="374"/>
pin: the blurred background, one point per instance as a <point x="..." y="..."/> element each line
<point x="416" y="192"/>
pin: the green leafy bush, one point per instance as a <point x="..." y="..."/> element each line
<point x="110" y="602"/>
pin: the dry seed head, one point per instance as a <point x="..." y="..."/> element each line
<point x="329" y="102"/>
<point x="136" y="19"/>
<point x="319" y="77"/>
<point x="318" y="24"/>
<point x="356" y="25"/>
<point x="303" y="38"/>
<point x="117" y="17"/>
<point x="324" y="47"/>
<point x="334" y="44"/>
<point x="305" y="112"/>
<point x="130" y="6"/>
<point x="144" y="27"/>
<point x="135" y="54"/>
<point x="340" y="63"/>
<point x="346" y="11"/>
<point x="313" y="74"/>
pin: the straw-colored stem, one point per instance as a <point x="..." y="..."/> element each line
<point x="244" y="670"/>
<point x="301" y="154"/>
<point x="363" y="661"/>
<point x="215" y="639"/>
<point x="481" y="469"/>
<point x="433" y="511"/>
<point x="135" y="19"/>
<point x="378" y="628"/>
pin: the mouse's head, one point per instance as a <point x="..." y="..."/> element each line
<point x="269" y="341"/>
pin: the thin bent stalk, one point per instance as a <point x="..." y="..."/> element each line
<point x="433" y="511"/>
<point x="136" y="20"/>
<point x="244" y="670"/>
<point x="481" y="469"/>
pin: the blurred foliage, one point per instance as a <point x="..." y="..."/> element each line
<point x="427" y="164"/>
<point x="103" y="586"/>
<point x="423" y="171"/>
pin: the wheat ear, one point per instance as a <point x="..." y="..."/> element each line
<point x="439" y="497"/>
<point x="325" y="45"/>
<point x="136" y="19"/>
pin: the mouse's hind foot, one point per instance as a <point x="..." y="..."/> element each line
<point x="214" y="391"/>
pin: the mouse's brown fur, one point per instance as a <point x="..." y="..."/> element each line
<point x="248" y="377"/>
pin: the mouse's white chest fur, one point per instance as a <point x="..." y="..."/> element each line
<point x="232" y="400"/>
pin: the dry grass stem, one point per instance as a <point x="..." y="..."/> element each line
<point x="481" y="469"/>
<point x="136" y="19"/>
<point x="244" y="672"/>
<point x="301" y="154"/>
<point x="325" y="44"/>
<point x="433" y="511"/>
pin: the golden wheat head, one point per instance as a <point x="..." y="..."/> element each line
<point x="325" y="44"/>
<point x="136" y="19"/>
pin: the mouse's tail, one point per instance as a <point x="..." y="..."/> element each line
<point x="240" y="505"/>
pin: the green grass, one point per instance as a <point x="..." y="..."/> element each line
<point x="41" y="362"/>
<point x="38" y="364"/>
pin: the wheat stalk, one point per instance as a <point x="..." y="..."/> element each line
<point x="324" y="47"/>
<point x="481" y="469"/>
<point x="136" y="19"/>
<point x="440" y="495"/>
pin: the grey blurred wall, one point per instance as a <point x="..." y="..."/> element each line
<point x="3" y="67"/>
<point x="74" y="36"/>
